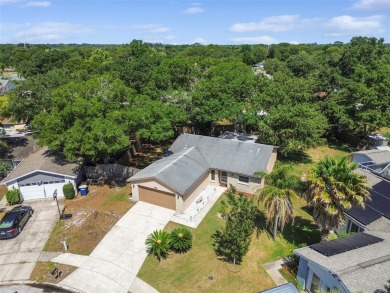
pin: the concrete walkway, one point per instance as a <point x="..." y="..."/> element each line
<point x="115" y="262"/>
<point x="272" y="269"/>
<point x="199" y="208"/>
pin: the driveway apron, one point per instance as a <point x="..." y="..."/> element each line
<point x="115" y="262"/>
<point x="19" y="255"/>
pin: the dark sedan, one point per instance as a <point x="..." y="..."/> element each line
<point x="14" y="220"/>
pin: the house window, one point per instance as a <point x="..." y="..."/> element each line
<point x="315" y="284"/>
<point x="212" y="175"/>
<point x="223" y="178"/>
<point x="243" y="179"/>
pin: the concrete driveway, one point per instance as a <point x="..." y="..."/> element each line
<point x="19" y="255"/>
<point x="115" y="262"/>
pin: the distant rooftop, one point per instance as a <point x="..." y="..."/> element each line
<point x="244" y="137"/>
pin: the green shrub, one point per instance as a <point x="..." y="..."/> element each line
<point x="13" y="196"/>
<point x="68" y="190"/>
<point x="159" y="243"/>
<point x="181" y="239"/>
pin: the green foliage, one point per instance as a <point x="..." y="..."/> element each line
<point x="292" y="127"/>
<point x="181" y="239"/>
<point x="276" y="196"/>
<point x="5" y="167"/>
<point x="68" y="190"/>
<point x="233" y="241"/>
<point x="159" y="243"/>
<point x="13" y="196"/>
<point x="333" y="188"/>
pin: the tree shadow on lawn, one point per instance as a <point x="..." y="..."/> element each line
<point x="298" y="157"/>
<point x="260" y="223"/>
<point x="302" y="232"/>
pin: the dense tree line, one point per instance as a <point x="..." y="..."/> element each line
<point x="90" y="100"/>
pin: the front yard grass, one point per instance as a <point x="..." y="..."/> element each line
<point x="190" y="272"/>
<point x="42" y="272"/>
<point x="93" y="216"/>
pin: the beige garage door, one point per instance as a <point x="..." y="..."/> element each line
<point x="157" y="197"/>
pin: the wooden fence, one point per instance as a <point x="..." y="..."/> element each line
<point x="109" y="171"/>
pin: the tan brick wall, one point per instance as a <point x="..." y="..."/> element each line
<point x="195" y="190"/>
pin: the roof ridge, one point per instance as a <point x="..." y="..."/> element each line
<point x="175" y="160"/>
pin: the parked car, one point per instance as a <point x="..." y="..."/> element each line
<point x="14" y="220"/>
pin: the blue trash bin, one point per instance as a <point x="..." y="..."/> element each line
<point x="83" y="190"/>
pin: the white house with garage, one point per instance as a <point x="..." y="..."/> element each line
<point x="41" y="173"/>
<point x="194" y="162"/>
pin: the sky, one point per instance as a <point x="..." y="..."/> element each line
<point x="188" y="22"/>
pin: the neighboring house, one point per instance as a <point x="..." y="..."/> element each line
<point x="376" y="214"/>
<point x="41" y="173"/>
<point x="6" y="86"/>
<point x="10" y="126"/>
<point x="194" y="162"/>
<point x="376" y="161"/>
<point x="286" y="288"/>
<point x="356" y="263"/>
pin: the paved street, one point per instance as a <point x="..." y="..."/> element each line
<point x="19" y="255"/>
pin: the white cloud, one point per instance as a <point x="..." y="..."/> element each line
<point x="38" y="4"/>
<point x="372" y="5"/>
<point x="346" y="25"/>
<point x="49" y="31"/>
<point x="194" y="10"/>
<point x="152" y="28"/>
<point x="255" y="40"/>
<point x="272" y="23"/>
<point x="200" y="41"/>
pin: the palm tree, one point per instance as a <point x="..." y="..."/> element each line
<point x="276" y="196"/>
<point x="334" y="188"/>
<point x="158" y="243"/>
<point x="181" y="239"/>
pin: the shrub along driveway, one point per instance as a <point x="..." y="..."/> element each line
<point x="19" y="255"/>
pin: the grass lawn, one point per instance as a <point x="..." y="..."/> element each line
<point x="3" y="190"/>
<point x="190" y="272"/>
<point x="92" y="217"/>
<point x="314" y="155"/>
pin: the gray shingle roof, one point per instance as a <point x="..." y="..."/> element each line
<point x="178" y="171"/>
<point x="44" y="160"/>
<point x="228" y="155"/>
<point x="365" y="269"/>
<point x="378" y="156"/>
<point x="193" y="155"/>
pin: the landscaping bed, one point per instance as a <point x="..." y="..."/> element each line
<point x="93" y="216"/>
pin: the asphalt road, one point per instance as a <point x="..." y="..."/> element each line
<point x="36" y="288"/>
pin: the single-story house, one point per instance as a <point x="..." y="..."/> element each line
<point x="41" y="173"/>
<point x="194" y="162"/>
<point x="352" y="264"/>
<point x="376" y="213"/>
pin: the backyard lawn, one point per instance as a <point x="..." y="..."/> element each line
<point x="92" y="217"/>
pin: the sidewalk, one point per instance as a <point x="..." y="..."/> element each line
<point x="272" y="269"/>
